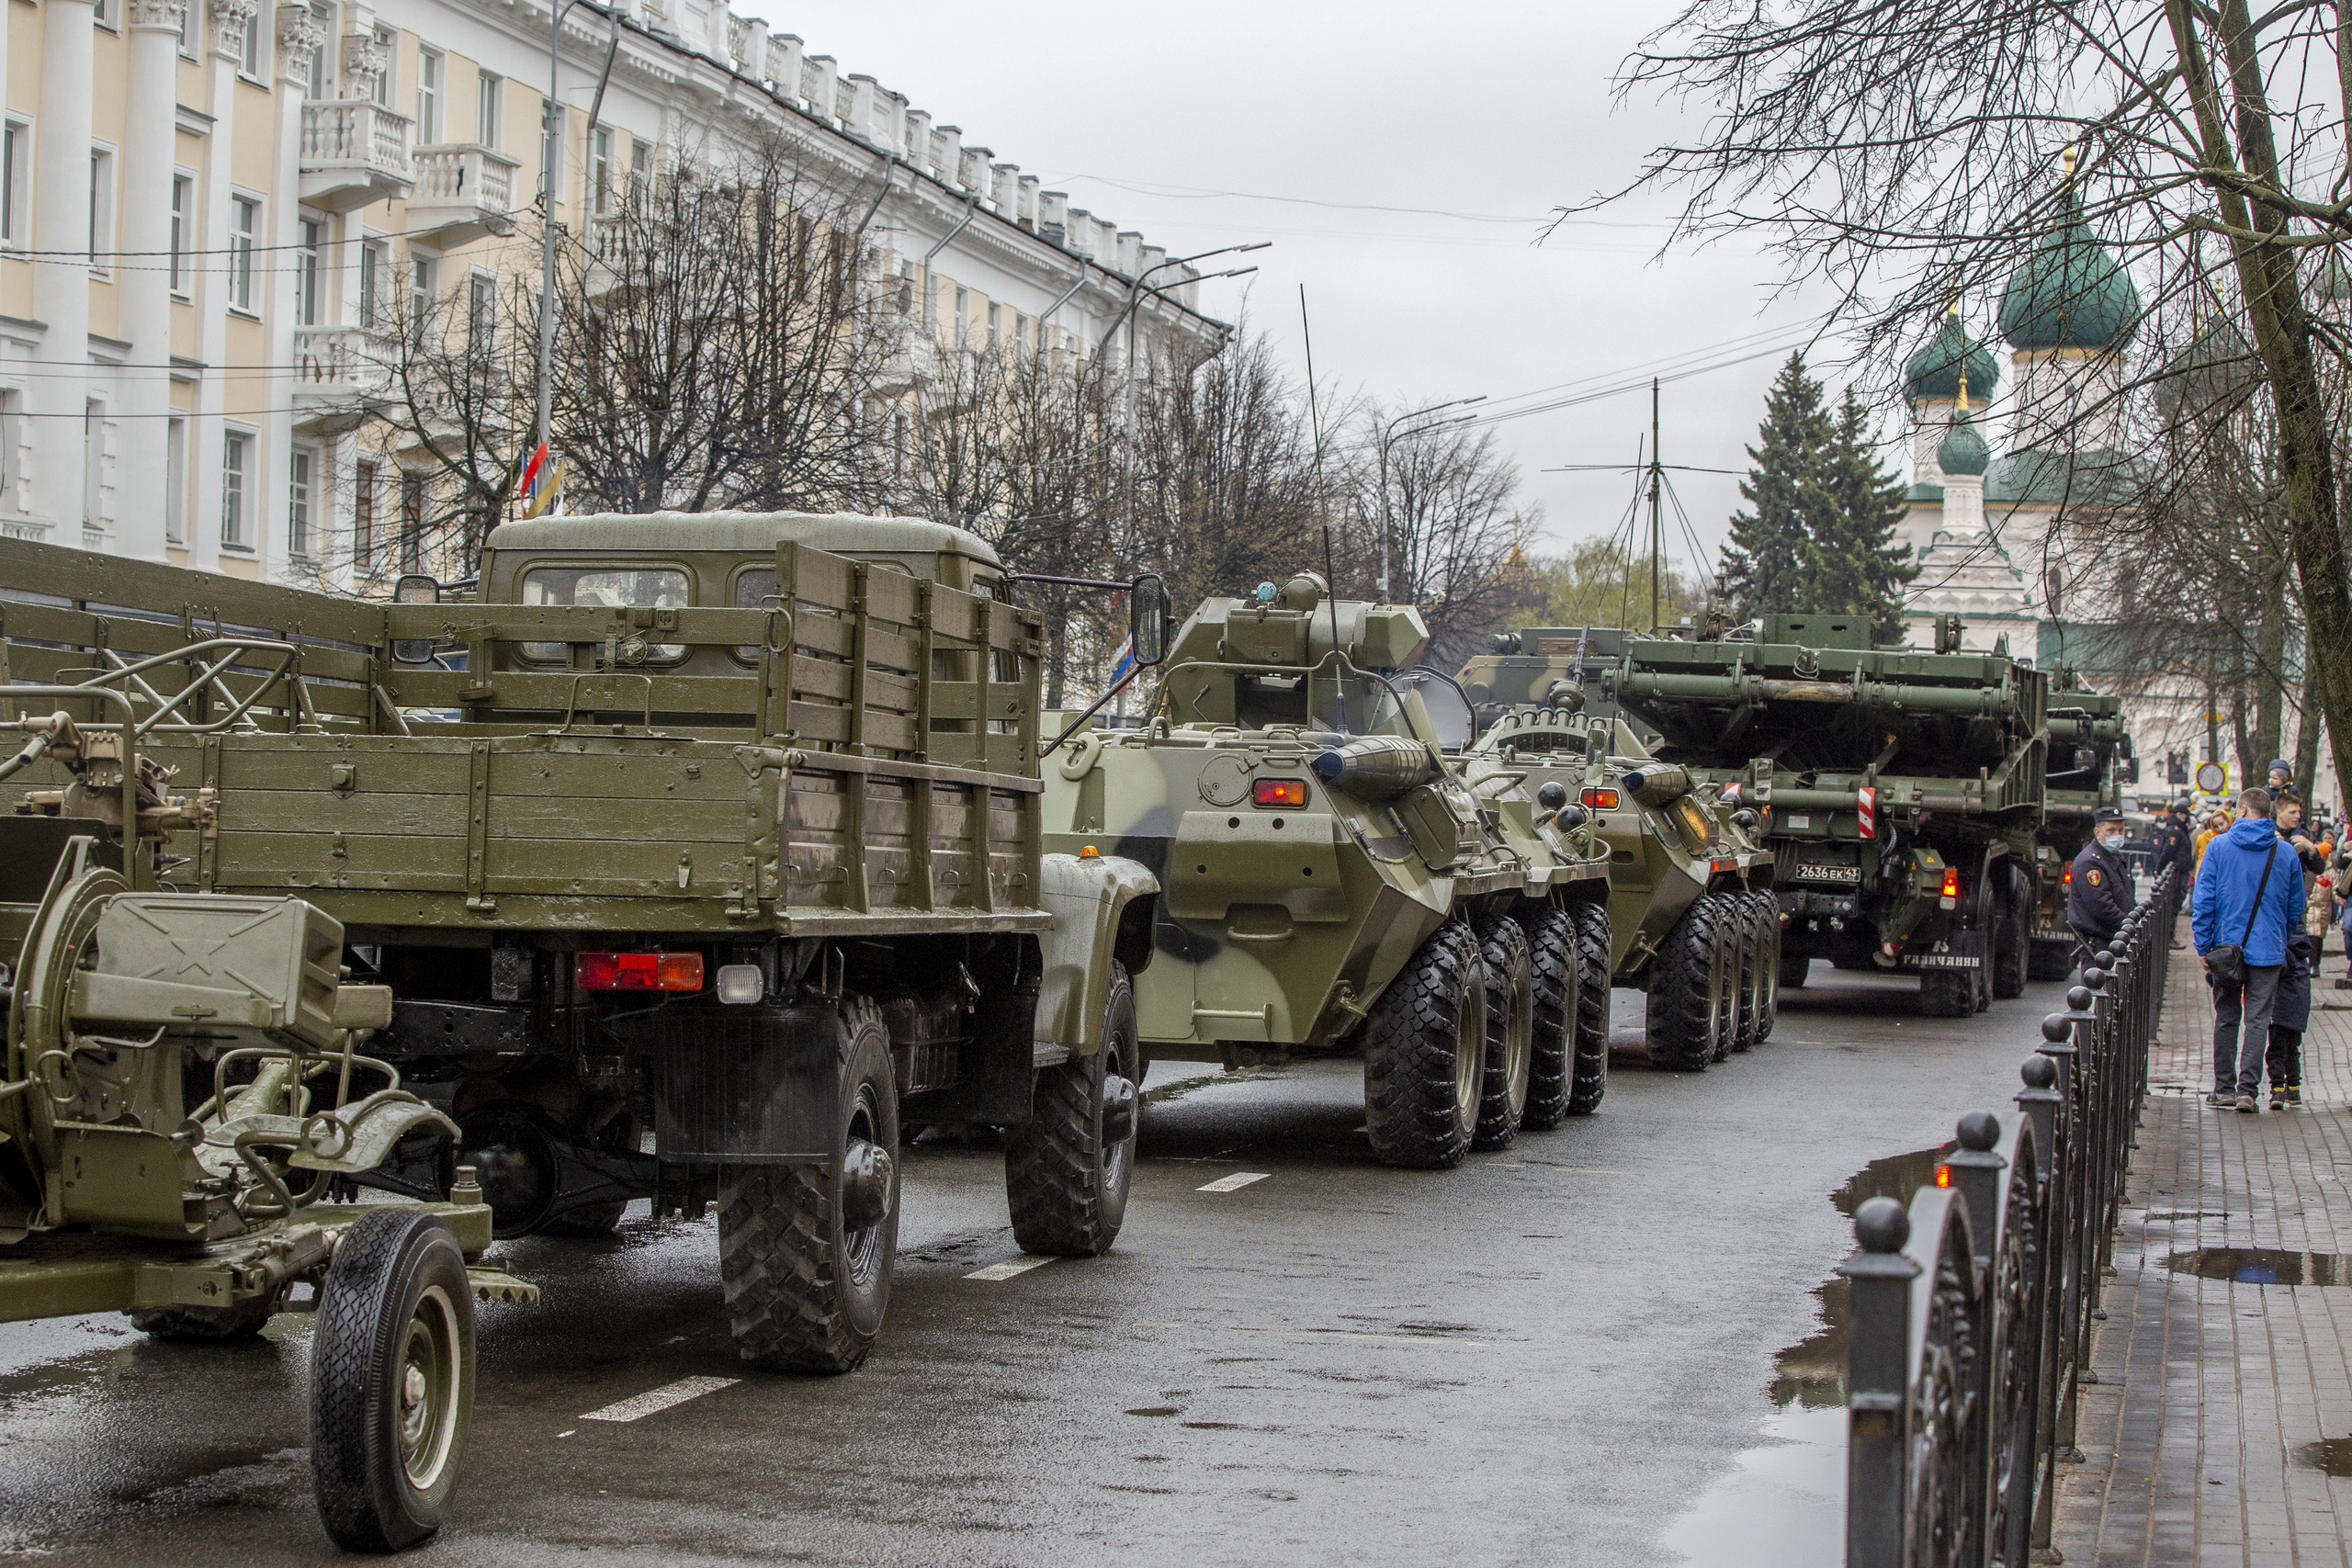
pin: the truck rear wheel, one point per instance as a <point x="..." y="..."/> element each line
<point x="1686" y="983"/>
<point x="2049" y="959"/>
<point x="1424" y="1054"/>
<point x="1511" y="1008"/>
<point x="1590" y="1079"/>
<point x="1553" y="982"/>
<point x="805" y="1251"/>
<point x="2012" y="947"/>
<point x="1067" y="1173"/>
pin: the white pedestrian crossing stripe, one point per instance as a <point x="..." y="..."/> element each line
<point x="1235" y="1183"/>
<point x="995" y="1271"/>
<point x="654" y="1401"/>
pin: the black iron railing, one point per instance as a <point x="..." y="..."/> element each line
<point x="1972" y="1304"/>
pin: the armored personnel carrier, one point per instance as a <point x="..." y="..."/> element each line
<point x="1691" y="909"/>
<point x="1340" y="878"/>
<point x="697" y="851"/>
<point x="1902" y="791"/>
<point x="2090" y="757"/>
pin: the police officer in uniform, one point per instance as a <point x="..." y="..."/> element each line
<point x="2101" y="893"/>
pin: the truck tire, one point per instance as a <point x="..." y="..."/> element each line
<point x="805" y="1251"/>
<point x="391" y="1380"/>
<point x="1424" y="1054"/>
<point x="1511" y="1008"/>
<point x="1067" y="1173"/>
<point x="1754" y="956"/>
<point x="2012" y="948"/>
<point x="1555" y="974"/>
<point x="1794" y="969"/>
<point x="1768" y="922"/>
<point x="2050" y="960"/>
<point x="1590" y="1080"/>
<point x="1686" y="991"/>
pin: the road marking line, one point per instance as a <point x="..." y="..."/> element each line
<point x="573" y="1433"/>
<point x="995" y="1271"/>
<point x="1233" y="1183"/>
<point x="654" y="1401"/>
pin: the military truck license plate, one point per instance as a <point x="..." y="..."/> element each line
<point x="1937" y="961"/>
<point x="1851" y="875"/>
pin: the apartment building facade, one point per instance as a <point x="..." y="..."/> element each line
<point x="206" y="204"/>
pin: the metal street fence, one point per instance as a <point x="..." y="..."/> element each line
<point x="1973" y="1305"/>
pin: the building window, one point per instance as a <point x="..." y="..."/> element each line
<point x="481" y="314"/>
<point x="375" y="257"/>
<point x="236" y="461"/>
<point x="301" y="480"/>
<point x="1020" y="335"/>
<point x="600" y="162"/>
<point x="428" y="97"/>
<point x="183" y="225"/>
<point x="191" y="18"/>
<point x="363" y="517"/>
<point x="244" y="225"/>
<point x="963" y="314"/>
<point x="389" y="42"/>
<point x="322" y="83"/>
<point x="641" y="175"/>
<point x="101" y="209"/>
<point x="175" y="481"/>
<point x="996" y="320"/>
<point x="412" y="543"/>
<point x="12" y="450"/>
<point x="93" y="462"/>
<point x="420" y="301"/>
<point x="102" y="13"/>
<point x="306" y="272"/>
<point x="249" y="55"/>
<point x="16" y="181"/>
<point x="487" y="94"/>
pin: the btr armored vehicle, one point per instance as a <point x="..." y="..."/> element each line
<point x="1902" y="791"/>
<point x="2090" y="757"/>
<point x="700" y="853"/>
<point x="1690" y="902"/>
<point x="1339" y="877"/>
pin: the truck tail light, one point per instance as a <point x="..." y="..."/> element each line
<point x="1278" y="792"/>
<point x="1949" y="896"/>
<point x="1600" y="799"/>
<point x="2067" y="880"/>
<point x="637" y="971"/>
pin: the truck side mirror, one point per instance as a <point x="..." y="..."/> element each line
<point x="1147" y="619"/>
<point x="415" y="588"/>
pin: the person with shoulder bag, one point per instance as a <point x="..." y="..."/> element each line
<point x="2249" y="901"/>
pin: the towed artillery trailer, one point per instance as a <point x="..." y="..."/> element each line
<point x="1339" y="878"/>
<point x="2090" y="752"/>
<point x="1690" y="908"/>
<point x="700" y="853"/>
<point x="1900" y="789"/>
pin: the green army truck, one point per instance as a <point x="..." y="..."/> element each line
<point x="1903" y="790"/>
<point x="1694" y="923"/>
<point x="2090" y="755"/>
<point x="701" y="854"/>
<point x="1340" y="878"/>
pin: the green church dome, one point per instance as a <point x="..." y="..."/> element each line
<point x="2071" y="293"/>
<point x="1933" y="372"/>
<point x="1963" y="451"/>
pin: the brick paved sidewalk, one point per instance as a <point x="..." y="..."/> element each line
<point x="2220" y="1401"/>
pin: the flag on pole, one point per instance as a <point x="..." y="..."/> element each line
<point x="1125" y="664"/>
<point x="549" y="490"/>
<point x="541" y="479"/>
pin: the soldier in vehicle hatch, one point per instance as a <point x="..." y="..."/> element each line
<point x="2099" y="891"/>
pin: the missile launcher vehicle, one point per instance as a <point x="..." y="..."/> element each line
<point x="1340" y="877"/>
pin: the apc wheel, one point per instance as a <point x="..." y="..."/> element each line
<point x="2047" y="960"/>
<point x="1511" y="1007"/>
<point x="1687" y="1003"/>
<point x="1554" y="988"/>
<point x="1592" y="1076"/>
<point x="1768" y="963"/>
<point x="1731" y="931"/>
<point x="1424" y="1054"/>
<point x="1067" y="1173"/>
<point x="391" y="1380"/>
<point x="1740" y="917"/>
<point x="805" y="1251"/>
<point x="1795" y="969"/>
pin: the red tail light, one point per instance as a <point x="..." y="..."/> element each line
<point x="1952" y="883"/>
<point x="1280" y="791"/>
<point x="2067" y="880"/>
<point x="1600" y="799"/>
<point x="637" y="971"/>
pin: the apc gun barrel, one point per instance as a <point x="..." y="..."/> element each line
<point x="1658" y="784"/>
<point x="1377" y="767"/>
<point x="1990" y="701"/>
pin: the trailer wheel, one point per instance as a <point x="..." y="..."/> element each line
<point x="1424" y="1054"/>
<point x="1592" y="1076"/>
<point x="1067" y="1173"/>
<point x="1687" y="982"/>
<point x="805" y="1251"/>
<point x="206" y="1325"/>
<point x="1768" y="968"/>
<point x="391" y="1380"/>
<point x="1511" y="1007"/>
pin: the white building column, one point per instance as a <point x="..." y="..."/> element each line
<point x="226" y="39"/>
<point x="149" y="129"/>
<point x="298" y="38"/>
<point x="58" y="397"/>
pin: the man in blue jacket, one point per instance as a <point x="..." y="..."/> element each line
<point x="2249" y="896"/>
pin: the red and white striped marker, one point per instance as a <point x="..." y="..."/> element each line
<point x="1866" y="802"/>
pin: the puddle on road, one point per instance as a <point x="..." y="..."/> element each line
<point x="2264" y="1266"/>
<point x="2333" y="1457"/>
<point x="1784" y="1504"/>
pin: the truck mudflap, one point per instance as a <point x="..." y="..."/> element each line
<point x="1090" y="898"/>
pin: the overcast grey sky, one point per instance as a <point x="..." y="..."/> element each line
<point x="1497" y="112"/>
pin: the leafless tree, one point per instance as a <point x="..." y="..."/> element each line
<point x="1453" y="533"/>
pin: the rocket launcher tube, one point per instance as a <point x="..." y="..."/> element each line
<point x="1658" y="784"/>
<point x="1377" y="767"/>
<point x="1990" y="701"/>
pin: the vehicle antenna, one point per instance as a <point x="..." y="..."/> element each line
<point x="1331" y="589"/>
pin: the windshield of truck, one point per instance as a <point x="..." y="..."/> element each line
<point x="1426" y="705"/>
<point x="607" y="587"/>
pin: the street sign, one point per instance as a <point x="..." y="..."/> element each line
<point x="2212" y="778"/>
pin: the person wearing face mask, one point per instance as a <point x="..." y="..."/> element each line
<point x="2099" y="892"/>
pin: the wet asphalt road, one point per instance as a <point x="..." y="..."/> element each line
<point x="1567" y="1352"/>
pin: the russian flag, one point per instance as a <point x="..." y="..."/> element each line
<point x="1124" y="665"/>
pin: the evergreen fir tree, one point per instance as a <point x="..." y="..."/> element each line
<point x="1854" y="564"/>
<point x="1768" y="560"/>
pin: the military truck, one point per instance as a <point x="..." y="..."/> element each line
<point x="1339" y="878"/>
<point x="701" y="853"/>
<point x="1899" y="787"/>
<point x="1694" y="923"/>
<point x="2090" y="760"/>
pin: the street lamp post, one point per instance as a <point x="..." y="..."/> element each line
<point x="1388" y="434"/>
